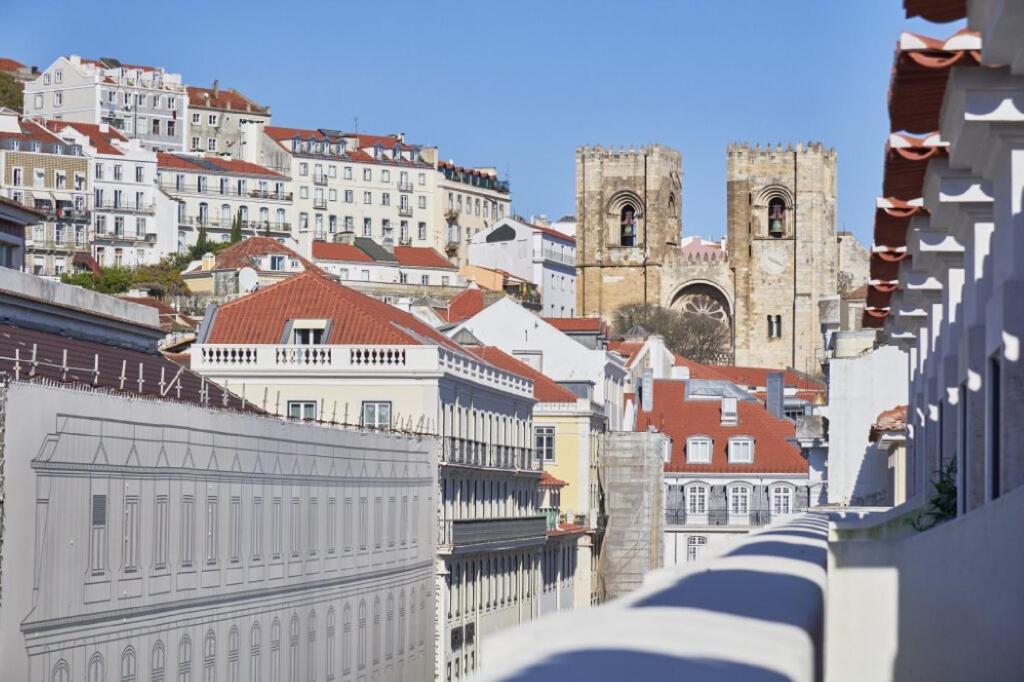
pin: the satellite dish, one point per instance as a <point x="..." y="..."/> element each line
<point x="248" y="280"/>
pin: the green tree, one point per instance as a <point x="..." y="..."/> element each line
<point x="202" y="244"/>
<point x="113" y="280"/>
<point x="701" y="339"/>
<point x="236" y="229"/>
<point x="162" y="279"/>
<point x="10" y="92"/>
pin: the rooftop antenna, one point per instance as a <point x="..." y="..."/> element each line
<point x="355" y="123"/>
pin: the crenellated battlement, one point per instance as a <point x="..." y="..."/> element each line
<point x="757" y="152"/>
<point x="600" y="152"/>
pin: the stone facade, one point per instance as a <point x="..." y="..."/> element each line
<point x="781" y="255"/>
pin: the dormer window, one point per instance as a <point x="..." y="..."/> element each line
<point x="307" y="332"/>
<point x="741" y="450"/>
<point x="698" y="450"/>
<point x="729" y="414"/>
<point x="277" y="263"/>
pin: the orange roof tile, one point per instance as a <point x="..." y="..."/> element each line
<point x="102" y="141"/>
<point x="222" y="165"/>
<point x="227" y="100"/>
<point x="545" y="389"/>
<point x="680" y="418"/>
<point x="464" y="305"/>
<point x="421" y="257"/>
<point x="8" y="64"/>
<point x="339" y="251"/>
<point x="261" y="317"/>
<point x="548" y="480"/>
<point x="244" y="253"/>
<point x="577" y="324"/>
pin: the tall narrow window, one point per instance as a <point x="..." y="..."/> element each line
<point x="275" y="530"/>
<point x="346" y="640"/>
<point x="329" y="650"/>
<point x="627" y="226"/>
<point x="782" y="499"/>
<point x="185" y="659"/>
<point x="739" y="500"/>
<point x="157" y="662"/>
<point x="347" y="522"/>
<point x="95" y="669"/>
<point x="130" y="551"/>
<point x="313" y="528"/>
<point x="695" y="546"/>
<point x="332" y="525"/>
<point x="544" y="437"/>
<point x="361" y="643"/>
<point x="211" y="530"/>
<point x="187" y="530"/>
<point x="98" y="540"/>
<point x="255" y="649"/>
<point x="776" y="217"/>
<point x="697" y="499"/>
<point x="210" y="657"/>
<point x="363" y="522"/>
<point x="378" y="521"/>
<point x="257" y="529"/>
<point x="236" y="529"/>
<point x="293" y="648"/>
<point x="128" y="665"/>
<point x="296" y="534"/>
<point x="233" y="654"/>
<point x="275" y="651"/>
<point x="994" y="435"/>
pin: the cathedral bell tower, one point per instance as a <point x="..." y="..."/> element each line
<point x="629" y="216"/>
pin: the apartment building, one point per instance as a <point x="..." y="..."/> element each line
<point x="125" y="231"/>
<point x="44" y="172"/>
<point x="541" y="255"/>
<point x="143" y="102"/>
<point x="215" y="116"/>
<point x="374" y="186"/>
<point x="14" y="218"/>
<point x="222" y="274"/>
<point x="311" y="348"/>
<point x="214" y="193"/>
<point x="208" y="540"/>
<point x="387" y="270"/>
<point x="469" y="200"/>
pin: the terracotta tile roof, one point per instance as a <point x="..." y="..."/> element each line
<point x="552" y="232"/>
<point x="577" y="324"/>
<point x="894" y="419"/>
<point x="545" y="389"/>
<point x="699" y="370"/>
<point x="758" y="376"/>
<point x="548" y="480"/>
<point x="8" y="64"/>
<point x="627" y="349"/>
<point x="338" y="251"/>
<point x="87" y="262"/>
<point x="220" y="165"/>
<point x="281" y="134"/>
<point x="464" y="305"/>
<point x="567" y="529"/>
<point x="82" y="356"/>
<point x="226" y="100"/>
<point x="102" y="141"/>
<point x="679" y="419"/>
<point x="170" y="318"/>
<point x="421" y="257"/>
<point x="260" y="317"/>
<point x="244" y="253"/>
<point x="31" y="131"/>
<point x="465" y="170"/>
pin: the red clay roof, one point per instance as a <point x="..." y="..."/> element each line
<point x="8" y="64"/>
<point x="627" y="349"/>
<point x="892" y="419"/>
<point x="421" y="257"/>
<point x="680" y="418"/>
<point x="567" y="529"/>
<point x="340" y="252"/>
<point x="32" y="131"/>
<point x="548" y="480"/>
<point x="552" y="232"/>
<point x="243" y="254"/>
<point x="464" y="305"/>
<point x="758" y="376"/>
<point x="228" y="100"/>
<point x="577" y="324"/>
<point x="102" y="141"/>
<point x="545" y="389"/>
<point x="232" y="166"/>
<point x="261" y="316"/>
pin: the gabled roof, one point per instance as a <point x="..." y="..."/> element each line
<point x="244" y="254"/>
<point x="463" y="305"/>
<point x="545" y="389"/>
<point x="421" y="257"/>
<point x="102" y="140"/>
<point x="32" y="131"/>
<point x="213" y="164"/>
<point x="548" y="480"/>
<point x="261" y="317"/>
<point x="593" y="325"/>
<point x="225" y="100"/>
<point x="679" y="418"/>
<point x="338" y="251"/>
<point x="8" y="64"/>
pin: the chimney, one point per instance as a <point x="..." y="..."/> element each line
<point x="647" y="391"/>
<point x="657" y="355"/>
<point x="776" y="394"/>
<point x="729" y="414"/>
<point x="533" y="358"/>
<point x="104" y="127"/>
<point x="216" y="88"/>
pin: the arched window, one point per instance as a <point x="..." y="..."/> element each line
<point x="782" y="499"/>
<point x="280" y="219"/>
<point x="698" y="450"/>
<point x="331" y="639"/>
<point x="157" y="662"/>
<point x="401" y="622"/>
<point x="95" y="670"/>
<point x="376" y="630"/>
<point x="204" y="213"/>
<point x="776" y="217"/>
<point x="264" y="216"/>
<point x="389" y="627"/>
<point x="293" y="648"/>
<point x="739" y="501"/>
<point x="185" y="659"/>
<point x="627" y="226"/>
<point x="61" y="672"/>
<point x="412" y="620"/>
<point x="694" y="547"/>
<point x="255" y="647"/>
<point x="311" y="644"/>
<point x="225" y="215"/>
<point x="210" y="657"/>
<point x="233" y="654"/>
<point x="361" y="644"/>
<point x="423" y="613"/>
<point x="346" y="640"/>
<point x="128" y="670"/>
<point x="243" y="214"/>
<point x="275" y="651"/>
<point x="741" y="450"/>
<point x="697" y="499"/>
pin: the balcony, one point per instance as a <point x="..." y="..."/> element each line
<point x="720" y="517"/>
<point x="124" y="237"/>
<point x="147" y="209"/>
<point x="404" y="185"/>
<point x="264" y="194"/>
<point x="252" y="225"/>
<point x="480" y="454"/>
<point x="319" y="202"/>
<point x="472" y="535"/>
<point x="405" y="211"/>
<point x="320" y="180"/>
<point x="172" y="187"/>
<point x="238" y="360"/>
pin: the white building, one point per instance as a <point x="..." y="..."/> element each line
<point x="469" y="200"/>
<point x="215" y="118"/>
<point x="310" y="348"/>
<point x="143" y="102"/>
<point x="387" y="271"/>
<point x="539" y="254"/>
<point x="207" y="541"/>
<point x="375" y="186"/>
<point x="592" y="373"/>
<point x="214" y="192"/>
<point x="125" y="230"/>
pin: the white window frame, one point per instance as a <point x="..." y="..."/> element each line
<point x="697" y="495"/>
<point x="375" y="414"/>
<point x="781" y="499"/>
<point x="693" y="545"/>
<point x="699" y="449"/>
<point x="739" y="499"/>
<point x="302" y="410"/>
<point x="741" y="450"/>
<point x="544" y="442"/>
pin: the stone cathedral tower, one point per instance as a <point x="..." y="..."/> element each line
<point x="782" y="250"/>
<point x="628" y="208"/>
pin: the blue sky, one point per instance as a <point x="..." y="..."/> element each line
<point x="519" y="85"/>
